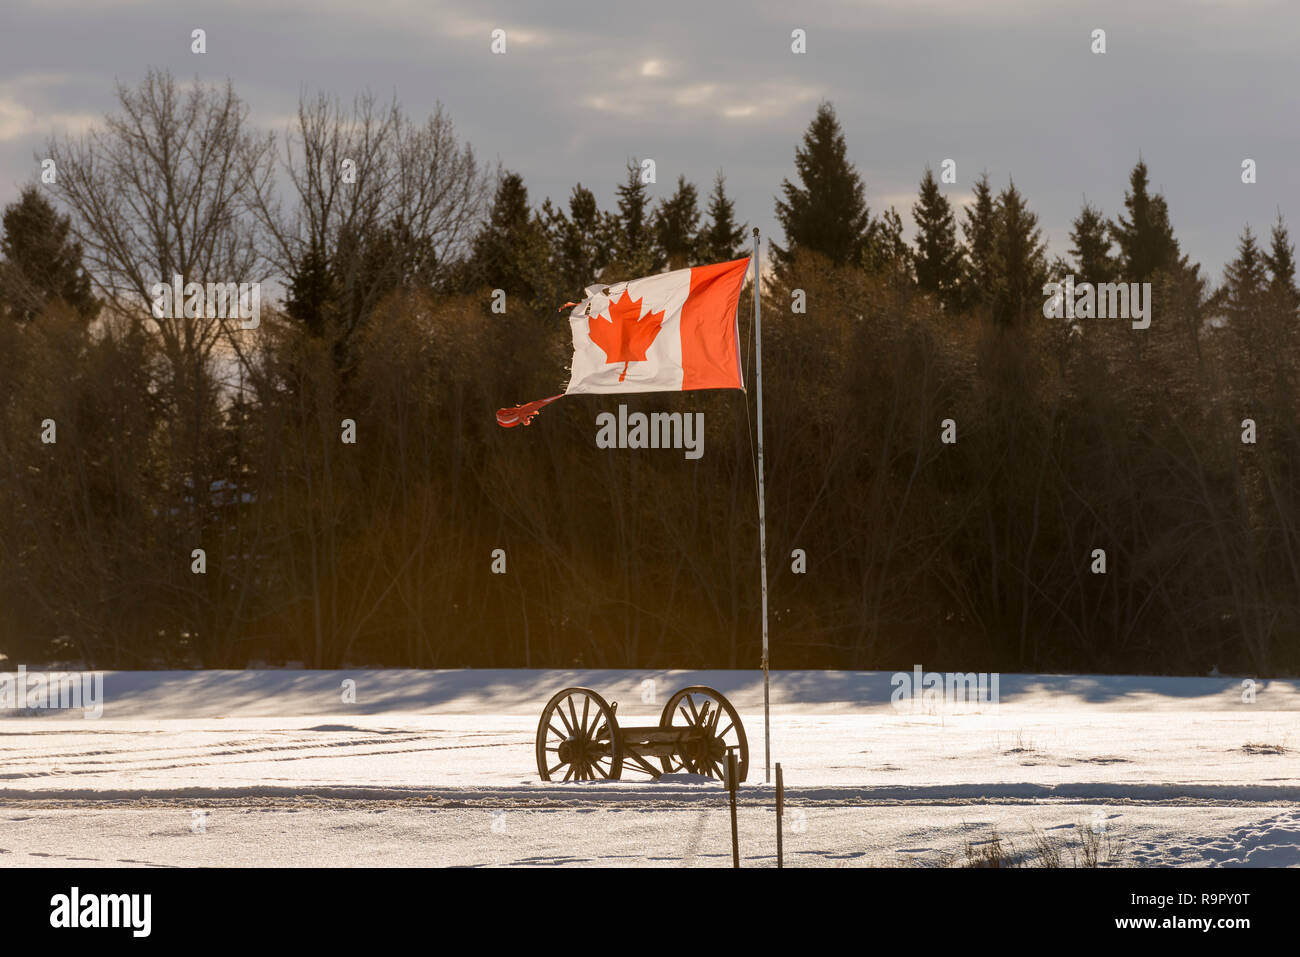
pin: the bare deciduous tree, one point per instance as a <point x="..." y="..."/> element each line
<point x="378" y="200"/>
<point x="162" y="189"/>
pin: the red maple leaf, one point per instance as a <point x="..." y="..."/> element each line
<point x="625" y="335"/>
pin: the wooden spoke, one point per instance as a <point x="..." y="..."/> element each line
<point x="568" y="727"/>
<point x="704" y="749"/>
<point x="589" y="746"/>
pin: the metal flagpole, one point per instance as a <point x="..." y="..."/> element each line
<point x="762" y="521"/>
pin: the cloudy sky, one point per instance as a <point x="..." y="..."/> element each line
<point x="1008" y="87"/>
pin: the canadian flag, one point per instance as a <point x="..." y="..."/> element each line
<point x="667" y="333"/>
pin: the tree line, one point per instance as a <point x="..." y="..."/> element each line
<point x="965" y="483"/>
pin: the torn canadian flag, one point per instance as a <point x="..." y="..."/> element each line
<point x="667" y="333"/>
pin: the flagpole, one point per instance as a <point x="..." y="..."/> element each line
<point x="762" y="520"/>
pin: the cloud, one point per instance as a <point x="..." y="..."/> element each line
<point x="703" y="101"/>
<point x="26" y="111"/>
<point x="16" y="120"/>
<point x="995" y="84"/>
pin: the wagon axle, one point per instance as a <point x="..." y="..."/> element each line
<point x="579" y="737"/>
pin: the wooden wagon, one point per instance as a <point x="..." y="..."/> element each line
<point x="579" y="737"/>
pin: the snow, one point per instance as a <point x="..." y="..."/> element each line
<point x="271" y="767"/>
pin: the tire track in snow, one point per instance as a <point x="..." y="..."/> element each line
<point x="121" y="761"/>
<point x="654" y="796"/>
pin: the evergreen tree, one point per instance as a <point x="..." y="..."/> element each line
<point x="313" y="292"/>
<point x="637" y="250"/>
<point x="42" y="261"/>
<point x="827" y="212"/>
<point x="581" y="242"/>
<point x="1018" y="260"/>
<point x="1146" y="239"/>
<point x="1245" y="279"/>
<point x="1091" y="247"/>
<point x="337" y="295"/>
<point x="938" y="255"/>
<point x="722" y="240"/>
<point x="1244" y="299"/>
<point x="508" y="251"/>
<point x="380" y="259"/>
<point x="1280" y="260"/>
<point x="887" y="253"/>
<point x="978" y="229"/>
<point x="676" y="222"/>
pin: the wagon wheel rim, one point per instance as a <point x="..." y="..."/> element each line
<point x="578" y="738"/>
<point x="710" y="711"/>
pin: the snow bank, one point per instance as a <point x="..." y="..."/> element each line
<point x="282" y="693"/>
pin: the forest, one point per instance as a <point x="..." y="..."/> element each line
<point x="953" y="477"/>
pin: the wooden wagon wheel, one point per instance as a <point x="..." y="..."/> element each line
<point x="578" y="736"/>
<point x="707" y="710"/>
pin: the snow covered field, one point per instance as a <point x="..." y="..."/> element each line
<point x="436" y="767"/>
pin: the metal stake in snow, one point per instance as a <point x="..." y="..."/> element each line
<point x="780" y="815"/>
<point x="732" y="784"/>
<point x="762" y="523"/>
